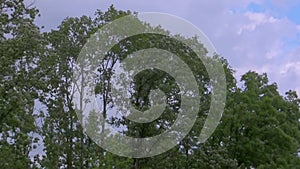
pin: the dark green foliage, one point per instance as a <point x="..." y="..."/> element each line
<point x="20" y="46"/>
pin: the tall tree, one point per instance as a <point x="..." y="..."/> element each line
<point x="20" y="46"/>
<point x="66" y="144"/>
<point x="63" y="136"/>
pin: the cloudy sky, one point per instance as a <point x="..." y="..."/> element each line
<point x="260" y="35"/>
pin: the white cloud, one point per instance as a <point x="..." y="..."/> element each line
<point x="249" y="40"/>
<point x="275" y="51"/>
<point x="290" y="66"/>
<point x="255" y="20"/>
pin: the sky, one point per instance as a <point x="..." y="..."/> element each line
<point x="258" y="35"/>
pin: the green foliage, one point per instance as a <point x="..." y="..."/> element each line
<point x="20" y="46"/>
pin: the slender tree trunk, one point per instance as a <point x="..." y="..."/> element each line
<point x="69" y="154"/>
<point x="136" y="163"/>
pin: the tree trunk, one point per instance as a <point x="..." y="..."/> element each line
<point x="136" y="164"/>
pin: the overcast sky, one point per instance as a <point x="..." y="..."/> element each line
<point x="251" y="34"/>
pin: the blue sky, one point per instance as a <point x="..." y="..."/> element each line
<point x="293" y="13"/>
<point x="281" y="9"/>
<point x="260" y="35"/>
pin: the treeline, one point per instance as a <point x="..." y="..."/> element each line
<point x="259" y="127"/>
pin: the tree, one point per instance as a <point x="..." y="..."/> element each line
<point x="66" y="144"/>
<point x="155" y="79"/>
<point x="258" y="132"/>
<point x="20" y="46"/>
